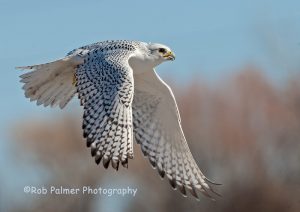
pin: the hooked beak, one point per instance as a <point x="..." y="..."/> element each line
<point x="169" y="55"/>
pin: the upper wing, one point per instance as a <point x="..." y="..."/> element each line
<point x="157" y="128"/>
<point x="105" y="86"/>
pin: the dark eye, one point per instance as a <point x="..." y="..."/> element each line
<point x="162" y="50"/>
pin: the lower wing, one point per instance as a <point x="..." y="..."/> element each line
<point x="158" y="130"/>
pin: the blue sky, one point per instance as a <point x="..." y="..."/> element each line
<point x="210" y="38"/>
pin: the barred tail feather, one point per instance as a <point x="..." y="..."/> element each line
<point x="50" y="83"/>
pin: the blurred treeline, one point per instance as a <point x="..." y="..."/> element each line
<point x="244" y="132"/>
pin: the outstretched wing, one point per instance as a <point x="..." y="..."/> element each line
<point x="158" y="130"/>
<point x="105" y="87"/>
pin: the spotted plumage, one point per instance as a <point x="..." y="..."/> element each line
<point x="123" y="100"/>
<point x="105" y="88"/>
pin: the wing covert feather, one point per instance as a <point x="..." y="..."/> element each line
<point x="105" y="87"/>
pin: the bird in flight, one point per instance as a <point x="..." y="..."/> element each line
<point x="124" y="100"/>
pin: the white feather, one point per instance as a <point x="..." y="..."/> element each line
<point x="51" y="83"/>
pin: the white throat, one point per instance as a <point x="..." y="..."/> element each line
<point x="141" y="62"/>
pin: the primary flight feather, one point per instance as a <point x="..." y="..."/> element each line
<point x="123" y="99"/>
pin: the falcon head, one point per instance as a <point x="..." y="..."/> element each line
<point x="160" y="52"/>
<point x="150" y="56"/>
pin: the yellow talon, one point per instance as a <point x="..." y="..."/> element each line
<point x="74" y="81"/>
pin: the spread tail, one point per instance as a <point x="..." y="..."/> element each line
<point x="50" y="83"/>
